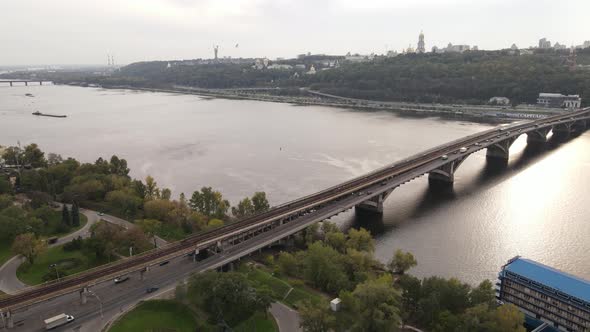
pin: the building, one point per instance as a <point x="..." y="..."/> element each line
<point x="421" y="48"/>
<point x="558" y="100"/>
<point x="545" y="295"/>
<point x="280" y="67"/>
<point x="499" y="101"/>
<point x="456" y="48"/>
<point x="544" y="43"/>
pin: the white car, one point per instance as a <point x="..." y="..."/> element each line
<point x="444" y="157"/>
<point x="463" y="150"/>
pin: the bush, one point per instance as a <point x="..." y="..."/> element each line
<point x="75" y="244"/>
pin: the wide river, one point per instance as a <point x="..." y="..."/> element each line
<point x="537" y="207"/>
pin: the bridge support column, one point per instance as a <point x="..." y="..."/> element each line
<point x="500" y="150"/>
<point x="195" y="255"/>
<point x="374" y="204"/>
<point x="143" y="272"/>
<point x="445" y="175"/>
<point x="10" y="83"/>
<point x="40" y="82"/>
<point x="562" y="130"/>
<point x="84" y="295"/>
<point x="8" y="320"/>
<point x="26" y="83"/>
<point x="538" y="136"/>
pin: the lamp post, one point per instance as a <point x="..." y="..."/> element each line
<point x="56" y="270"/>
<point x="99" y="301"/>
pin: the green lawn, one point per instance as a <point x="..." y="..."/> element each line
<point x="69" y="262"/>
<point x="157" y="315"/>
<point x="259" y="322"/>
<point x="280" y="286"/>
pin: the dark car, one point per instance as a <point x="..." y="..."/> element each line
<point x="151" y="289"/>
<point x="52" y="240"/>
<point x="164" y="263"/>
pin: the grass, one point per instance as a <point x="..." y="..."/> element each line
<point x="157" y="315"/>
<point x="69" y="262"/>
<point x="259" y="322"/>
<point x="280" y="286"/>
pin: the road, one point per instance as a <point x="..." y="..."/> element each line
<point x="10" y="284"/>
<point x="287" y="318"/>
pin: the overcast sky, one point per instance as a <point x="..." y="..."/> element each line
<point x="85" y="31"/>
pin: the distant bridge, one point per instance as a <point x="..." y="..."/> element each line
<point x="221" y="246"/>
<point x="26" y="82"/>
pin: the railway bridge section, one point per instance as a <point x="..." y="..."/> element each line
<point x="220" y="247"/>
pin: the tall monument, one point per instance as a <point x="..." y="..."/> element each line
<point x="215" y="50"/>
<point x="421" y="48"/>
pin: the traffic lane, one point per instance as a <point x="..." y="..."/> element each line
<point x="9" y="283"/>
<point x="287" y="318"/>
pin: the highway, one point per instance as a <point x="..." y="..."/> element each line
<point x="289" y="218"/>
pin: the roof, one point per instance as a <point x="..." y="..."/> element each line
<point x="548" y="276"/>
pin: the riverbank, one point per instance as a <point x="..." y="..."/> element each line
<point x="473" y="113"/>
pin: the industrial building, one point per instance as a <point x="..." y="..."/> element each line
<point x="559" y="101"/>
<point x="551" y="298"/>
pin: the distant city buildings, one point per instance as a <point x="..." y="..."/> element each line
<point x="558" y="100"/>
<point x="544" y="43"/>
<point x="548" y="297"/>
<point x="421" y="48"/>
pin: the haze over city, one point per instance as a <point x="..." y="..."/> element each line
<point x="84" y="32"/>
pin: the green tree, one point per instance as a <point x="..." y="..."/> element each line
<point x="260" y="202"/>
<point x="4" y="185"/>
<point x="125" y="201"/>
<point x="401" y="262"/>
<point x="288" y="264"/>
<point x="34" y="156"/>
<point x="66" y="219"/>
<point x="151" y="188"/>
<point x="214" y="223"/>
<point x="483" y="293"/>
<point x="75" y="215"/>
<point x="150" y="227"/>
<point x="336" y="240"/>
<point x="159" y="209"/>
<point x="29" y="246"/>
<point x="244" y="209"/>
<point x="360" y="240"/>
<point x="373" y="306"/>
<point x="166" y="194"/>
<point x="118" y="166"/>
<point x="209" y="202"/>
<point x="316" y="317"/>
<point x="324" y="269"/>
<point x="227" y="297"/>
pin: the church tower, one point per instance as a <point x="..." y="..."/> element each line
<point x="421" y="48"/>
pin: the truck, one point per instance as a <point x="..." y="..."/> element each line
<point x="57" y="321"/>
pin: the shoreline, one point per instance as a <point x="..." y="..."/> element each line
<point x="471" y="113"/>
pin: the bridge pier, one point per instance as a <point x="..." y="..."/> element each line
<point x="562" y="130"/>
<point x="500" y="150"/>
<point x="8" y="319"/>
<point x="26" y="83"/>
<point x="10" y="83"/>
<point x="143" y="272"/>
<point x="84" y="295"/>
<point x="445" y="175"/>
<point x="195" y="255"/>
<point x="374" y="204"/>
<point x="538" y="136"/>
<point x="578" y="127"/>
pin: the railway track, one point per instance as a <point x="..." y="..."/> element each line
<point x="39" y="293"/>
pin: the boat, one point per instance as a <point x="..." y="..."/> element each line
<point x="50" y="115"/>
<point x="29" y="95"/>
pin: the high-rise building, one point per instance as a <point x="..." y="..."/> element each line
<point x="544" y="43"/>
<point x="421" y="48"/>
<point x="545" y="295"/>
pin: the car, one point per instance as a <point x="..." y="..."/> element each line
<point x="477" y="144"/>
<point x="383" y="183"/>
<point x="52" y="240"/>
<point x="369" y="192"/>
<point x="164" y="263"/>
<point x="444" y="157"/>
<point x="500" y="130"/>
<point x="151" y="289"/>
<point x="119" y="280"/>
<point x="537" y="125"/>
<point x="101" y="214"/>
<point x="463" y="150"/>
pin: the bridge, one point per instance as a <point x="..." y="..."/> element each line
<point x="26" y="82"/>
<point x="222" y="246"/>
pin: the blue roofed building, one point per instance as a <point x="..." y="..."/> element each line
<point x="546" y="295"/>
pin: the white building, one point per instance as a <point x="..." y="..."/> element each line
<point x="559" y="101"/>
<point x="280" y="67"/>
<point x="499" y="101"/>
<point x="311" y="71"/>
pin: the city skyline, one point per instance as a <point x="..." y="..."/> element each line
<point x="74" y="32"/>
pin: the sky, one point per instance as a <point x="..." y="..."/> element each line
<point x="44" y="32"/>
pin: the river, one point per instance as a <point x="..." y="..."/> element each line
<point x="537" y="207"/>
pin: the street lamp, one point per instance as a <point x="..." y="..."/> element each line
<point x="56" y="270"/>
<point x="99" y="301"/>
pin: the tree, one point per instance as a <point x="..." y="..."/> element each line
<point x="158" y="209"/>
<point x="260" y="202"/>
<point x="336" y="240"/>
<point x="75" y="215"/>
<point x="330" y="227"/>
<point x="227" y="297"/>
<point x="150" y="227"/>
<point x="401" y="262"/>
<point x="166" y="194"/>
<point x="54" y="159"/>
<point x="360" y="240"/>
<point x="151" y="188"/>
<point x="483" y="293"/>
<point x="124" y="201"/>
<point x="324" y="269"/>
<point x="288" y="264"/>
<point x="373" y="306"/>
<point x="34" y="156"/>
<point x="316" y="317"/>
<point x="4" y="185"/>
<point x="66" y="220"/>
<point x="28" y="246"/>
<point x="118" y="166"/>
<point x="215" y="223"/>
<point x="244" y="209"/>
<point x="209" y="202"/>
<point x="509" y="319"/>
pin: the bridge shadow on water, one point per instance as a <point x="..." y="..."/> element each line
<point x="435" y="196"/>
